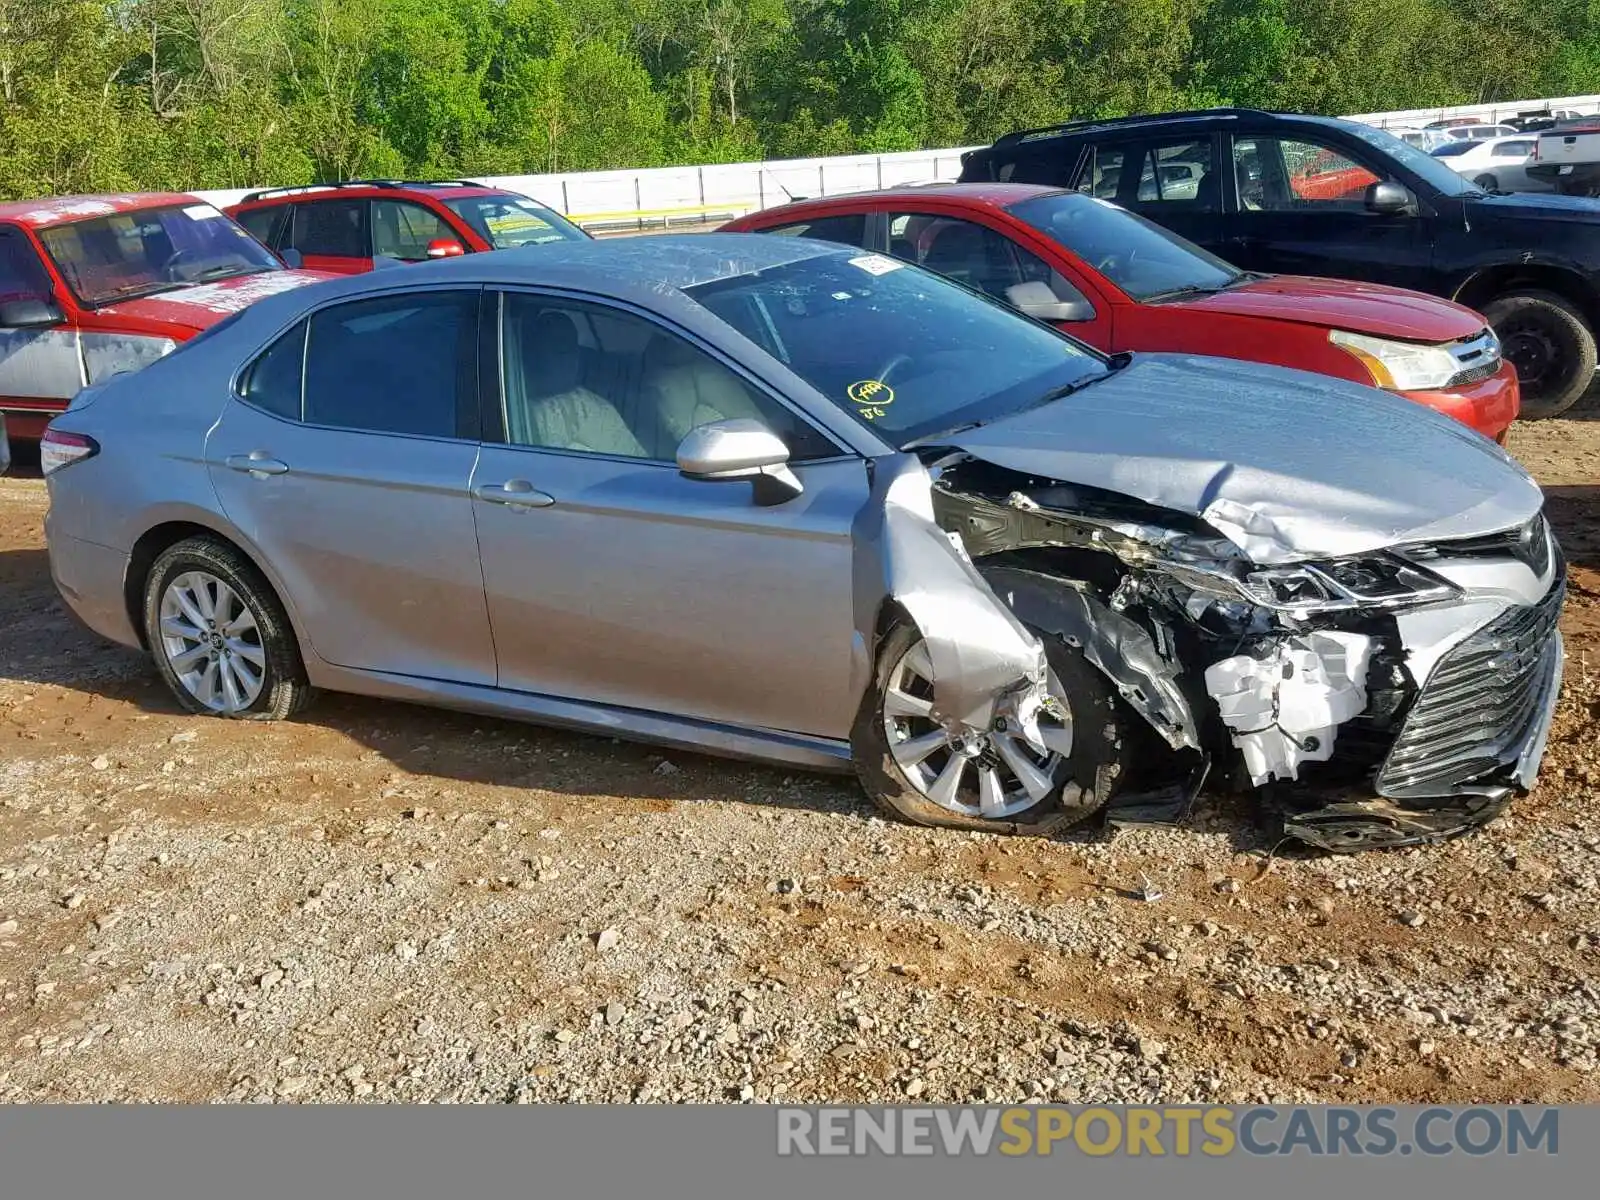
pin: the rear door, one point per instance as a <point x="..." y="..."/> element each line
<point x="345" y="457"/>
<point x="331" y="235"/>
<point x="1176" y="181"/>
<point x="40" y="368"/>
<point x="1301" y="210"/>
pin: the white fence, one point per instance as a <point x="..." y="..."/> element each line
<point x="698" y="195"/>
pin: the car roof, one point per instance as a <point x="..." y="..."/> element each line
<point x="57" y="210"/>
<point x="1195" y="117"/>
<point x="631" y="268"/>
<point x="985" y="194"/>
<point x="366" y="189"/>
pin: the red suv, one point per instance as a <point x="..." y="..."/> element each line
<point x="91" y="286"/>
<point x="1120" y="282"/>
<point x="344" y="227"/>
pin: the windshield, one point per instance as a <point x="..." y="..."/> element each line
<point x="1137" y="255"/>
<point x="508" y="221"/>
<point x="152" y="250"/>
<point x="903" y="351"/>
<point x="1433" y="172"/>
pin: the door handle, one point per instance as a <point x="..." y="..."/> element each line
<point x="517" y="493"/>
<point x="257" y="463"/>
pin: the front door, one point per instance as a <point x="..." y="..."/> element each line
<point x="40" y="368"/>
<point x="613" y="578"/>
<point x="1302" y="211"/>
<point x="354" y="485"/>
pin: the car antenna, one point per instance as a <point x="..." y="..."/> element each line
<point x="790" y="196"/>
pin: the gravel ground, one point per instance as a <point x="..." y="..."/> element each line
<point x="381" y="902"/>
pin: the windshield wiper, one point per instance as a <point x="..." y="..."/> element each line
<point x="133" y="291"/>
<point x="1188" y="290"/>
<point x="1114" y="363"/>
<point x="211" y="274"/>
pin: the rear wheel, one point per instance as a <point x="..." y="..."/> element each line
<point x="1001" y="780"/>
<point x="219" y="635"/>
<point x="1487" y="182"/>
<point x="1550" y="344"/>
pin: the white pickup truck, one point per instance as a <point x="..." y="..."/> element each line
<point x="1567" y="157"/>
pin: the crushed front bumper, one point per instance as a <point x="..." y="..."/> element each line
<point x="1472" y="740"/>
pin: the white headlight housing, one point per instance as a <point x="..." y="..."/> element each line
<point x="1399" y="366"/>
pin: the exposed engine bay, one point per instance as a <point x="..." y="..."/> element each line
<point x="1386" y="698"/>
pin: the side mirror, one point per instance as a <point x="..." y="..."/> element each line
<point x="1040" y="301"/>
<point x="1390" y="199"/>
<point x="292" y="258"/>
<point x="445" y="248"/>
<point x="36" y="312"/>
<point x="740" y="448"/>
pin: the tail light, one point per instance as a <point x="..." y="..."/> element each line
<point x="58" y="449"/>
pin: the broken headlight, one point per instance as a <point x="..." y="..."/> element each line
<point x="1399" y="366"/>
<point x="1335" y="585"/>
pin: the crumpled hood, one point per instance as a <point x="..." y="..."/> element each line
<point x="186" y="311"/>
<point x="1368" y="308"/>
<point x="1287" y="465"/>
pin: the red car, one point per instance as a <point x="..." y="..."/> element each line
<point x="94" y="285"/>
<point x="1120" y="282"/>
<point x="343" y="227"/>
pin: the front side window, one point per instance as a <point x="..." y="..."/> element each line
<point x="1289" y="175"/>
<point x="588" y="379"/>
<point x="974" y="255"/>
<point x="22" y="275"/>
<point x="508" y="221"/>
<point x="330" y="228"/>
<point x="403" y="230"/>
<point x="395" y="364"/>
<point x="151" y="250"/>
<point x="904" y="352"/>
<point x="1143" y="259"/>
<point x="848" y="228"/>
<point x="259" y="223"/>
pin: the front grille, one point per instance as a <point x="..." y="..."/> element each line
<point x="1480" y="705"/>
<point x="1478" y="358"/>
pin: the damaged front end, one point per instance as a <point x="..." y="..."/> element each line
<point x="1387" y="698"/>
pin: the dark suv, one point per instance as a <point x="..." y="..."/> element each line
<point x="346" y="227"/>
<point x="1309" y="195"/>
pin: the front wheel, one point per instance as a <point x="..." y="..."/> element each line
<point x="1551" y="345"/>
<point x="998" y="781"/>
<point x="1487" y="182"/>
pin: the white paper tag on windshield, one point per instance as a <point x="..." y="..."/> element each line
<point x="201" y="212"/>
<point x="876" y="264"/>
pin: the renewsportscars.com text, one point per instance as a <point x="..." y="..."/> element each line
<point x="1177" y="1131"/>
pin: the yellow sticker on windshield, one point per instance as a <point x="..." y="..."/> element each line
<point x="871" y="392"/>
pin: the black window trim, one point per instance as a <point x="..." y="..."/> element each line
<point x="491" y="381"/>
<point x="469" y="407"/>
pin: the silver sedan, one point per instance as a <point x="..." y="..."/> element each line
<point x="779" y="499"/>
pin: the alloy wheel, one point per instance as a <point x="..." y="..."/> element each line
<point x="212" y="643"/>
<point x="991" y="775"/>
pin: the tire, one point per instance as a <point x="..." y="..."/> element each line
<point x="1081" y="780"/>
<point x="183" y="590"/>
<point x="1487" y="182"/>
<point x="1551" y="345"/>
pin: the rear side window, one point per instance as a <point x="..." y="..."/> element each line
<point x="333" y="228"/>
<point x="272" y="382"/>
<point x="1052" y="165"/>
<point x="259" y="222"/>
<point x="849" y="228"/>
<point x="396" y="364"/>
